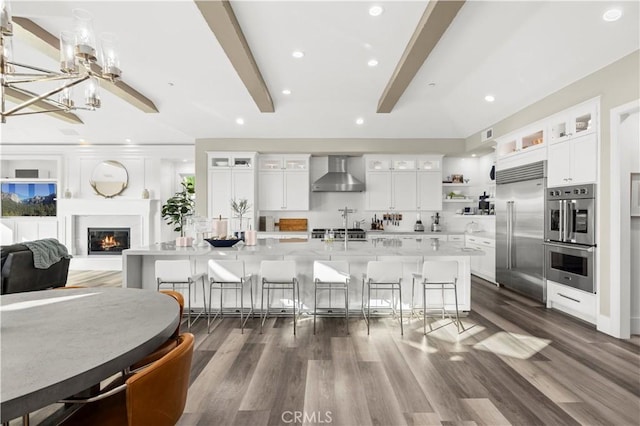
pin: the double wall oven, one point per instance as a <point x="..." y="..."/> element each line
<point x="570" y="239"/>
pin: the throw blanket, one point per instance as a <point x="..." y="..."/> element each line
<point x="47" y="252"/>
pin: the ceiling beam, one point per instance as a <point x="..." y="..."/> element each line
<point x="18" y="97"/>
<point x="434" y="22"/>
<point x="223" y="23"/>
<point x="49" y="44"/>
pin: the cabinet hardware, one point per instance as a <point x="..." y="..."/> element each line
<point x="570" y="298"/>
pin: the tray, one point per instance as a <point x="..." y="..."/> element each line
<point x="221" y="243"/>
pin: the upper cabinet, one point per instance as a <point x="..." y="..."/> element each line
<point x="573" y="162"/>
<point x="577" y="121"/>
<point x="526" y="140"/>
<point x="403" y="183"/>
<point x="538" y="142"/>
<point x="226" y="160"/>
<point x="284" y="182"/>
<point x="231" y="176"/>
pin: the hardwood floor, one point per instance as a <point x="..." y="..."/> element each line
<point x="517" y="363"/>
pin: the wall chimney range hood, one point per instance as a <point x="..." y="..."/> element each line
<point x="337" y="179"/>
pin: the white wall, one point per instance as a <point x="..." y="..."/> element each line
<point x="156" y="168"/>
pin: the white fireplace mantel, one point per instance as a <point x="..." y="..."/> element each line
<point x="145" y="210"/>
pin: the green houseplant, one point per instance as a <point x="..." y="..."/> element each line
<point x="178" y="207"/>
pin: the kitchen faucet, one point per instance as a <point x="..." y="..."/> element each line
<point x="345" y="215"/>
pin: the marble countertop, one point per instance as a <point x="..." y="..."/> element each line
<point x="275" y="247"/>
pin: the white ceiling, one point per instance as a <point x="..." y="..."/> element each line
<point x="518" y="51"/>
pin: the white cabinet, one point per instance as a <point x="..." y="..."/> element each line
<point x="483" y="266"/>
<point x="18" y="230"/>
<point x="403" y="190"/>
<point x="231" y="176"/>
<point x="429" y="191"/>
<point x="378" y="190"/>
<point x="283" y="182"/>
<point x="525" y="140"/>
<point x="403" y="183"/>
<point x="572" y="301"/>
<point x="578" y="121"/>
<point x="573" y="161"/>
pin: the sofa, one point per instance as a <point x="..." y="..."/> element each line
<point x="19" y="273"/>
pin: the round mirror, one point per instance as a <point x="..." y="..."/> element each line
<point x="109" y="178"/>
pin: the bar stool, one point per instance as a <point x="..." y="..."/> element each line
<point x="178" y="273"/>
<point x="331" y="275"/>
<point x="439" y="275"/>
<point x="278" y="275"/>
<point x="229" y="275"/>
<point x="382" y="275"/>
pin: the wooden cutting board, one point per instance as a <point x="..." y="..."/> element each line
<point x="293" y="224"/>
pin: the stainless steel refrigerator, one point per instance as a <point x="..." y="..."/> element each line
<point x="520" y="208"/>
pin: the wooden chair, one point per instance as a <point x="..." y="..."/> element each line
<point x="167" y="346"/>
<point x="155" y="395"/>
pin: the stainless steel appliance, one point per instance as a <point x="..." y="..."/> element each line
<point x="571" y="215"/>
<point x="353" y="234"/>
<point x="519" y="206"/>
<point x="337" y="179"/>
<point x="571" y="265"/>
<point x="435" y="224"/>
<point x="571" y="236"/>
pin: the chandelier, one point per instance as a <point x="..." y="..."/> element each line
<point x="78" y="64"/>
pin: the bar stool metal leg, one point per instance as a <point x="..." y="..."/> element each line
<point x="400" y="296"/>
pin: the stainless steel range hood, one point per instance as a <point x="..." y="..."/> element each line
<point x="337" y="179"/>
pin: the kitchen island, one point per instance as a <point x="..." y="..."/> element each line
<point x="138" y="267"/>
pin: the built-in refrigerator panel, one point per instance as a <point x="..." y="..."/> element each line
<point x="520" y="208"/>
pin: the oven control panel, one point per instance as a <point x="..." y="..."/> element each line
<point x="572" y="192"/>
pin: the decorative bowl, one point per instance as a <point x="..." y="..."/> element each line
<point x="221" y="243"/>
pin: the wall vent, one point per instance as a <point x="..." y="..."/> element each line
<point x="27" y="173"/>
<point x="486" y="135"/>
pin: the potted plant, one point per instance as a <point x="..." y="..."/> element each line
<point x="178" y="208"/>
<point x="239" y="208"/>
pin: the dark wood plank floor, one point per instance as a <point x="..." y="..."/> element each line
<point x="517" y="363"/>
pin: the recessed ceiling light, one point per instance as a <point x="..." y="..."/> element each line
<point x="489" y="98"/>
<point x="359" y="121"/>
<point x="372" y="62"/>
<point x="240" y="120"/>
<point x="432" y="84"/>
<point x="127" y="140"/>
<point x="170" y="84"/>
<point x="612" y="15"/>
<point x="473" y="155"/>
<point x="376" y="10"/>
<point x="286" y="92"/>
<point x="297" y="54"/>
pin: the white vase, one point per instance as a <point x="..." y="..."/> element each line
<point x="184" y="241"/>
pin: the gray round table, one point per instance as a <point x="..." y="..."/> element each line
<point x="57" y="343"/>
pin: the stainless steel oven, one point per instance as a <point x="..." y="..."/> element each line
<point x="571" y="215"/>
<point x="571" y="264"/>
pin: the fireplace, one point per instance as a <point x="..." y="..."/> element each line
<point x="108" y="240"/>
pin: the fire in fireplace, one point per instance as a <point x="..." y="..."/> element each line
<point x="108" y="240"/>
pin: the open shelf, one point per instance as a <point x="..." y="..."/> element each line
<point x="483" y="216"/>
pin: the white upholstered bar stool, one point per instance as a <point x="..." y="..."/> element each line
<point x="382" y="275"/>
<point x="229" y="275"/>
<point x="331" y="275"/>
<point x="178" y="273"/>
<point x="278" y="275"/>
<point x="439" y="275"/>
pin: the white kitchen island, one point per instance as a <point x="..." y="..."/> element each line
<point x="138" y="268"/>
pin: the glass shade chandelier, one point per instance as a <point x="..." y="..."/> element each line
<point x="78" y="64"/>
